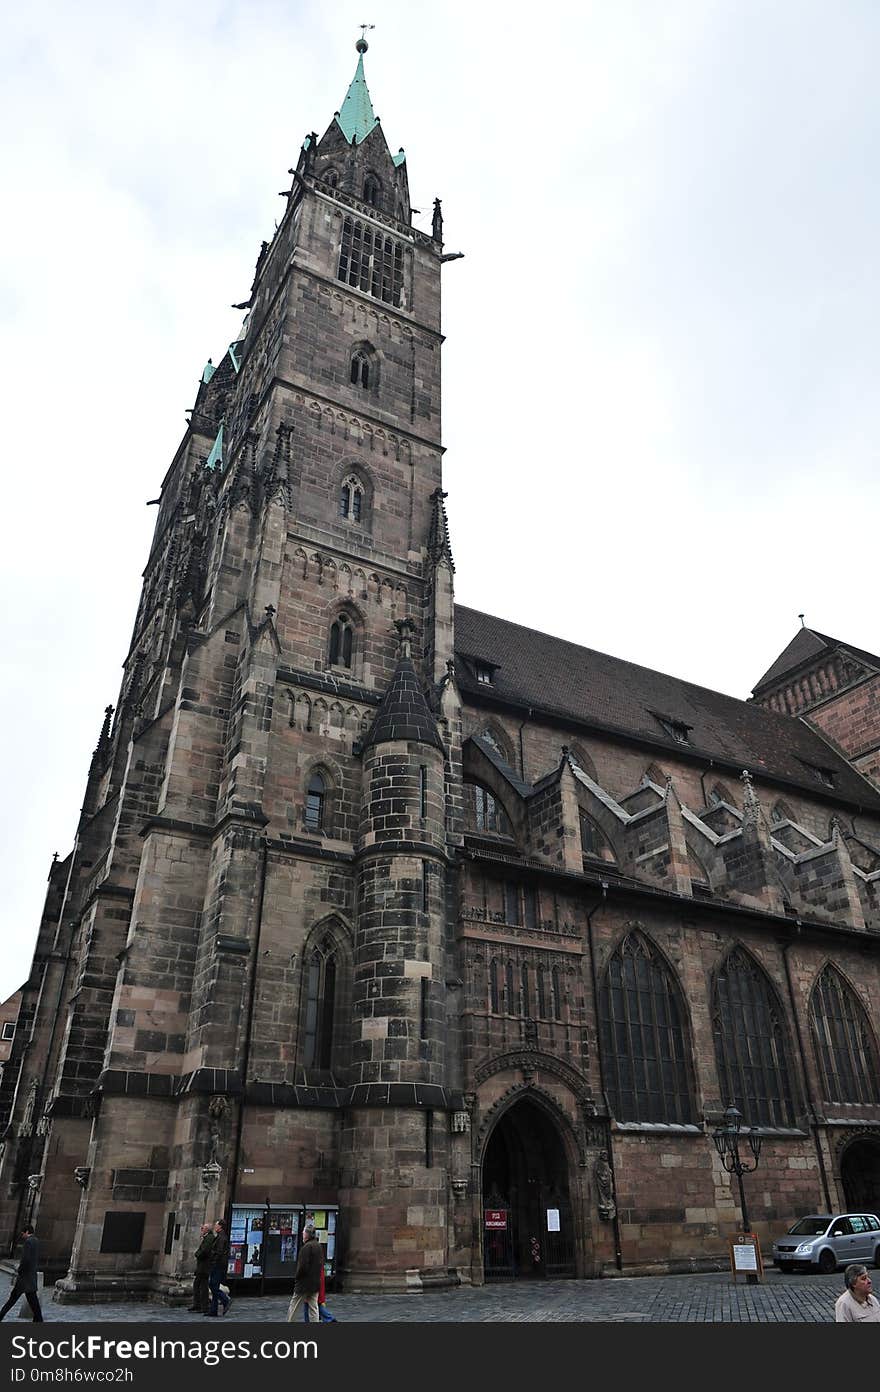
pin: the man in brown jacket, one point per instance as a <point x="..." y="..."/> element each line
<point x="307" y="1278"/>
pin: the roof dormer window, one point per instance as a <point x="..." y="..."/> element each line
<point x="676" y="729"/>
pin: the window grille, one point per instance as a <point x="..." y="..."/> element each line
<point x="750" y="1044"/>
<point x="370" y="261"/>
<point x="845" y="1046"/>
<point x="643" y="1037"/>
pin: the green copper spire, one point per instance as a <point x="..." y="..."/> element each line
<point x="356" y="118"/>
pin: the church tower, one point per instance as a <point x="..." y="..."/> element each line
<point x="240" y="988"/>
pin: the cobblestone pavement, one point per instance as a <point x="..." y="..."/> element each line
<point x="695" y="1299"/>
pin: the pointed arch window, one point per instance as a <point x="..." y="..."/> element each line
<point x="372" y="191"/>
<point x="331" y="177"/>
<point x="351" y="499"/>
<point x="341" y="641"/>
<point x="316" y="803"/>
<point x="846" y="1049"/>
<point x="644" y="1038"/>
<point x="360" y="373"/>
<point x="493" y="986"/>
<point x="370" y="261"/>
<point x="486" y="813"/>
<point x="593" y="842"/>
<point x="751" y="1048"/>
<point x="322" y="973"/>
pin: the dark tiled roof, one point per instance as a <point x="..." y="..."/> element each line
<point x="578" y="684"/>
<point x="806" y="646"/>
<point x="403" y="712"/>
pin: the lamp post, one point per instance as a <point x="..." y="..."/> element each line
<point x="727" y="1138"/>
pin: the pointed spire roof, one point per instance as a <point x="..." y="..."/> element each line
<point x="403" y="712"/>
<point x="356" y="116"/>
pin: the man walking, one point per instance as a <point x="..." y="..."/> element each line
<point x="857" y="1305"/>
<point x="25" y="1282"/>
<point x="307" y="1278"/>
<point x="200" y="1294"/>
<point x="219" y="1263"/>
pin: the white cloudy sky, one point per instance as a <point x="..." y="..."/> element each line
<point x="660" y="397"/>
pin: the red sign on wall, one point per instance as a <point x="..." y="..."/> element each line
<point x="494" y="1218"/>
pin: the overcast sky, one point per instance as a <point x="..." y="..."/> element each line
<point x="660" y="374"/>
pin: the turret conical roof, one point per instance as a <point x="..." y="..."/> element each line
<point x="403" y="712"/>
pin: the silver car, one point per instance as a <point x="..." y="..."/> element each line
<point x="824" y="1241"/>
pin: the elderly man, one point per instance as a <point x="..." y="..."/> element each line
<point x="200" y="1293"/>
<point x="857" y="1304"/>
<point x="307" y="1278"/>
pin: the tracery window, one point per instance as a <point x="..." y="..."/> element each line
<point x="361" y="372"/>
<point x="593" y="842"/>
<point x="372" y="191"/>
<point x="341" y="641"/>
<point x="644" y="1038"/>
<point x="371" y="261"/>
<point x="486" y="813"/>
<point x="845" y="1046"/>
<point x="321" y="977"/>
<point x="751" y="1048"/>
<point x="351" y="499"/>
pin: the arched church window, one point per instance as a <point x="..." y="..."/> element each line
<point x="341" y="641"/>
<point x="844" y="1042"/>
<point x="360" y="369"/>
<point x="370" y="261"/>
<point x="751" y="1048"/>
<point x="351" y="499"/>
<point x="593" y="841"/>
<point x="644" y="1037"/>
<point x="331" y="177"/>
<point x="316" y="800"/>
<point x="485" y="812"/>
<point x="321" y="975"/>
<point x="372" y="191"/>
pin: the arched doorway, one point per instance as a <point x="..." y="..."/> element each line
<point x="528" y="1223"/>
<point x="860" y="1176"/>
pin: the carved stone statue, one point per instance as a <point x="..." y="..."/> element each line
<point x="218" y="1107"/>
<point x="604" y="1187"/>
<point x="27" y="1121"/>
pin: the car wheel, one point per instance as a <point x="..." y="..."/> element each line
<point x="827" y="1262"/>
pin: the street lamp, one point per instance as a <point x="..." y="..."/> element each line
<point x="727" y="1139"/>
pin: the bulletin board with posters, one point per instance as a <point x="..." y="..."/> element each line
<point x="264" y="1241"/>
<point x="326" y="1220"/>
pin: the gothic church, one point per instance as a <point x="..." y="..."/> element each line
<point x="453" y="934"/>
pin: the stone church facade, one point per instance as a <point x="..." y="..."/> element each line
<point x="379" y="902"/>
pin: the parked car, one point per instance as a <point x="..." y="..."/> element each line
<point x="824" y="1241"/>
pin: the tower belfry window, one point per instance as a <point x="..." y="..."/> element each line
<point x="360" y="370"/>
<point x="372" y="191"/>
<point x="370" y="261"/>
<point x="351" y="499"/>
<point x="341" y="640"/>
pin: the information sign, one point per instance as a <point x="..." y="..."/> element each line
<point x="745" y="1255"/>
<point x="495" y="1218"/>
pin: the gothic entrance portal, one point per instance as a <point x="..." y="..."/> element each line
<point x="528" y="1226"/>
<point x="860" y="1176"/>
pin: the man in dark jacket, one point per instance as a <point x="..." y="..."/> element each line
<point x="307" y="1278"/>
<point x="203" y="1270"/>
<point x="219" y="1263"/>
<point x="25" y="1282"/>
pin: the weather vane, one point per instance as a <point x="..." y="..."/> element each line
<point x="363" y="29"/>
